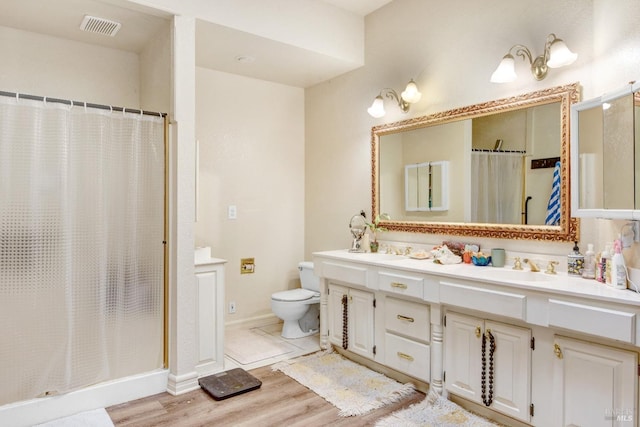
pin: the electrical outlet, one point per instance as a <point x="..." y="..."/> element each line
<point x="232" y="307"/>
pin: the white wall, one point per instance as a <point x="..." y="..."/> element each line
<point x="450" y="49"/>
<point x="41" y="65"/>
<point x="252" y="154"/>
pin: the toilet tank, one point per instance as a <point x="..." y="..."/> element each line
<point x="307" y="279"/>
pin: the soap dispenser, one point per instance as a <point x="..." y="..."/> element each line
<point x="575" y="261"/>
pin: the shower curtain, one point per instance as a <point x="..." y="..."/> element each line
<point x="496" y="187"/>
<point x="81" y="252"/>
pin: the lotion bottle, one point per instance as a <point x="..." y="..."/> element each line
<point x="618" y="268"/>
<point x="589" y="269"/>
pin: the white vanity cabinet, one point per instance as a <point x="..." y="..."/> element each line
<point x="463" y="363"/>
<point x="357" y="308"/>
<point x="566" y="349"/>
<point x="593" y="384"/>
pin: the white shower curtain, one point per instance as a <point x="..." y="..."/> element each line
<point x="496" y="187"/>
<point x="81" y="253"/>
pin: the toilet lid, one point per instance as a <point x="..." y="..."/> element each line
<point x="294" y="295"/>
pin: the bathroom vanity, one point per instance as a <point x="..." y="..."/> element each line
<point x="559" y="350"/>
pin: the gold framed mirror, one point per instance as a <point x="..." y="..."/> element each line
<point x="527" y="196"/>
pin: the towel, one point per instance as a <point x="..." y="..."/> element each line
<point x="553" y="207"/>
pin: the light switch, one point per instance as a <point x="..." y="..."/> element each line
<point x="232" y="212"/>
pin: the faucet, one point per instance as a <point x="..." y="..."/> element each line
<point x="534" y="267"/>
<point x="551" y="268"/>
<point x="517" y="264"/>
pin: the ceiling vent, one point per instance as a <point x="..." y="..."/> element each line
<point x="102" y="26"/>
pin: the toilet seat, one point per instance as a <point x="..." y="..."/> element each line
<point x="294" y="295"/>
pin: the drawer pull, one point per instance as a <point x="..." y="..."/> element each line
<point x="398" y="285"/>
<point x="405" y="356"/>
<point x="405" y="318"/>
<point x="478" y="331"/>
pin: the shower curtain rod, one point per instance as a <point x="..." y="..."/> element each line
<point x="486" y="150"/>
<point x="79" y="104"/>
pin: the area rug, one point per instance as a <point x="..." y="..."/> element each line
<point x="94" y="418"/>
<point x="352" y="388"/>
<point x="434" y="411"/>
<point x="249" y="346"/>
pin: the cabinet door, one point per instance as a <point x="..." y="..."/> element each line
<point x="462" y="355"/>
<point x="334" y="313"/>
<point x="512" y="369"/>
<point x="361" y="318"/>
<point x="594" y="385"/>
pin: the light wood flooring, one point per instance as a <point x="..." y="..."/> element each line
<point x="281" y="401"/>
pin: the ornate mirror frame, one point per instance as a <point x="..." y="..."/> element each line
<point x="568" y="230"/>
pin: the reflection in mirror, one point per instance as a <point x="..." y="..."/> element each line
<point x="426" y="187"/>
<point x="605" y="147"/>
<point x="501" y="157"/>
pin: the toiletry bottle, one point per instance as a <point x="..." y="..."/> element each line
<point x="589" y="270"/>
<point x="599" y="275"/>
<point x="575" y="261"/>
<point x="603" y="263"/>
<point x="607" y="263"/>
<point x="618" y="268"/>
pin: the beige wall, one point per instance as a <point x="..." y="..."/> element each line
<point x="251" y="138"/>
<point x="41" y="65"/>
<point x="450" y="49"/>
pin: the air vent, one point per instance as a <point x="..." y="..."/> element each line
<point x="102" y="26"/>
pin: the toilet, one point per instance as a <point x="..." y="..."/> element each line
<point x="299" y="308"/>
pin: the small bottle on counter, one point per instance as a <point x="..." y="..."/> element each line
<point x="589" y="270"/>
<point x="607" y="263"/>
<point x="604" y="256"/>
<point x="618" y="268"/>
<point x="575" y="261"/>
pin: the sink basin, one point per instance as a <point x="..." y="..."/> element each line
<point x="517" y="275"/>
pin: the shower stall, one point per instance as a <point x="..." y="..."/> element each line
<point x="82" y="236"/>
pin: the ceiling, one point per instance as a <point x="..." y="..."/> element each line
<point x="273" y="61"/>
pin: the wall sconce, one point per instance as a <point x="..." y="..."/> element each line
<point x="409" y="96"/>
<point x="556" y="54"/>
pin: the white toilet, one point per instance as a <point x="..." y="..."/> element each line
<point x="299" y="308"/>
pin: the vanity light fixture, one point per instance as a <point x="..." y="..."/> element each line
<point x="556" y="54"/>
<point x="409" y="96"/>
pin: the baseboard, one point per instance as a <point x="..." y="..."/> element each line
<point x="182" y="383"/>
<point x="253" y="322"/>
<point x="36" y="411"/>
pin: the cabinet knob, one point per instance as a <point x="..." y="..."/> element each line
<point x="398" y="285"/>
<point x="478" y="331"/>
<point x="405" y="356"/>
<point x="405" y="318"/>
<point x="557" y="351"/>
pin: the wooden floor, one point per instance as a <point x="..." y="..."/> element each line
<point x="281" y="401"/>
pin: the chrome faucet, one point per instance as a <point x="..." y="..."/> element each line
<point x="532" y="265"/>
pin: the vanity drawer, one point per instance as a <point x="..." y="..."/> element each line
<point x="345" y="273"/>
<point x="614" y="324"/>
<point x="401" y="284"/>
<point x="407" y="318"/>
<point x="408" y="356"/>
<point x="488" y="300"/>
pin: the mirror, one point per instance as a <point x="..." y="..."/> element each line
<point x="502" y="156"/>
<point x="604" y="155"/>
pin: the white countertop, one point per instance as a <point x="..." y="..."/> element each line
<point x="560" y="283"/>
